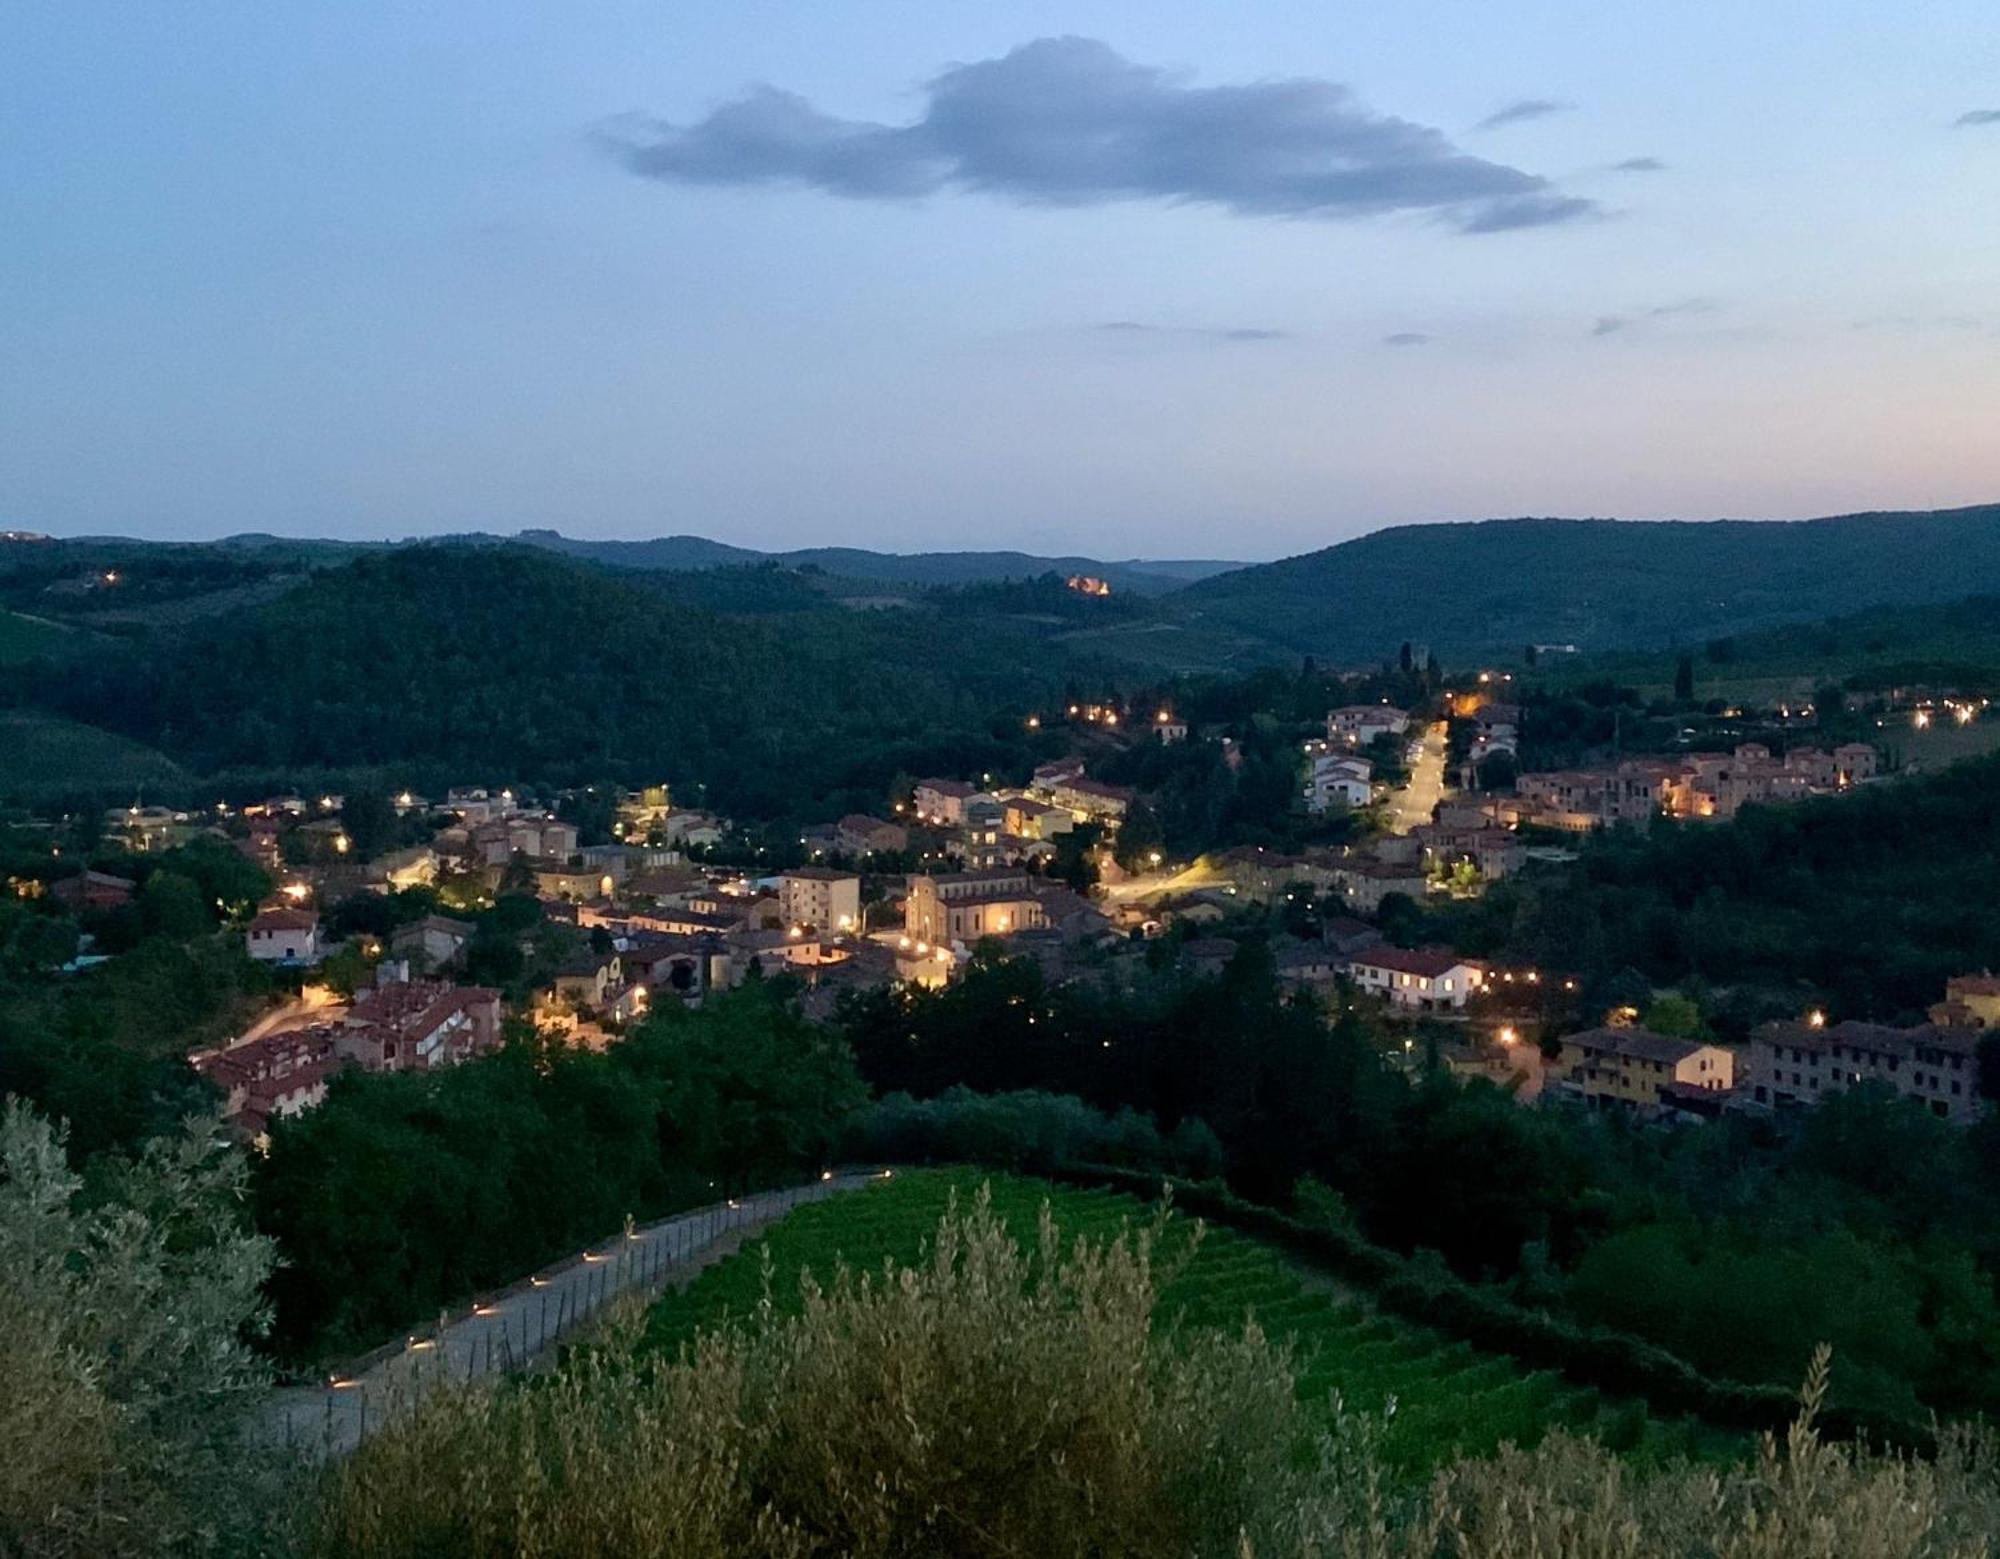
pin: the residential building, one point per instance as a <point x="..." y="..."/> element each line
<point x="268" y="1078"/>
<point x="1089" y="799"/>
<point x="1970" y="1001"/>
<point x="577" y="884"/>
<point x="942" y="801"/>
<point x="821" y="897"/>
<point x="664" y="885"/>
<point x="1364" y="884"/>
<point x="1028" y="818"/>
<point x="1049" y="775"/>
<point x="1356" y="725"/>
<point x="697" y="830"/>
<point x="430" y="943"/>
<point x="588" y="981"/>
<point x="1492" y="852"/>
<point x="1796" y="1064"/>
<point x="773" y="951"/>
<point x="1335" y="780"/>
<point x="1635" y="1068"/>
<point x="418" y="1025"/>
<point x="283" y="936"/>
<point x="1423" y="979"/>
<point x="416" y="867"/>
<point x="92" y="892"/>
<point x="683" y="966"/>
<point x="859" y="834"/>
<point x="1310" y="965"/>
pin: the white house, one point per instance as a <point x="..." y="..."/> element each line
<point x="1417" y="978"/>
<point x="942" y="801"/>
<point x="284" y="936"/>
<point x="1356" y="725"/>
<point x="1338" y="779"/>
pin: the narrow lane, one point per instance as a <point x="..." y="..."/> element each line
<point x="508" y="1330"/>
<point x="1416" y="801"/>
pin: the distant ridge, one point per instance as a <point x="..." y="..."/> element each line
<point x="1600" y="584"/>
<point x="1142" y="576"/>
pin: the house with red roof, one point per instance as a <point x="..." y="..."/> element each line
<point x="283" y="936"/>
<point x="1422" y="979"/>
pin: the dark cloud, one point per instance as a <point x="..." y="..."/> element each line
<point x="1069" y="121"/>
<point x="1609" y="325"/>
<point x="1136" y="327"/>
<point x="1524" y="109"/>
<point x="1406" y="338"/>
<point x="1977" y="116"/>
<point x="1639" y="165"/>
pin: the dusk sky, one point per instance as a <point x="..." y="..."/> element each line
<point x="1151" y="279"/>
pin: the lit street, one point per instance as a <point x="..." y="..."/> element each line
<point x="1415" y="802"/>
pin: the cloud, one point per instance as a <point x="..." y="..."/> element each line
<point x="1521" y="110"/>
<point x="1136" y="327"/>
<point x="1913" y="323"/>
<point x="1406" y="338"/>
<point x="1976" y="116"/>
<point x="1639" y="165"/>
<point x="1070" y="122"/>
<point x="1611" y="324"/>
<point x="1683" y="306"/>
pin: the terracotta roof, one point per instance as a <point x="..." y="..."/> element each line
<point x="1425" y="963"/>
<point x="1880" y="1037"/>
<point x="285" y="920"/>
<point x="1639" y="1044"/>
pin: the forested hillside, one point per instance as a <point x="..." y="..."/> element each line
<point x="503" y="662"/>
<point x="1601" y="584"/>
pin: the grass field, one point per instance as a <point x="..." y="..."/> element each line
<point x="42" y="757"/>
<point x="1449" y="1398"/>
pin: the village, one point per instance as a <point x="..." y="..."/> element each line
<point x="397" y="955"/>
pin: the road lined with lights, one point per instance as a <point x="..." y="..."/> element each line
<point x="506" y="1331"/>
<point x="1413" y="805"/>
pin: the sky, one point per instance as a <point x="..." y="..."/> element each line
<point x="1127" y="279"/>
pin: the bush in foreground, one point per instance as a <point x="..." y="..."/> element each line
<point x="124" y="1366"/>
<point x="993" y="1400"/>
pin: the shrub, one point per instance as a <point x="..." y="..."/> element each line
<point x="1027" y="1131"/>
<point x="990" y="1400"/>
<point x="123" y="1366"/>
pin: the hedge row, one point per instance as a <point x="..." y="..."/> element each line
<point x="1612" y="1361"/>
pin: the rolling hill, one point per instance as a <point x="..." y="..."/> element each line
<point x="918" y="569"/>
<point x="448" y="661"/>
<point x="1599" y="584"/>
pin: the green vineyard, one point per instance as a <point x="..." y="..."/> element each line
<point x="1448" y="1398"/>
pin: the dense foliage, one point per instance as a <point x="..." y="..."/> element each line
<point x="406" y="1192"/>
<point x="463" y="662"/>
<point x="1865" y="903"/>
<point x="990" y="1399"/>
<point x="1734" y="1248"/>
<point x="124" y="1363"/>
<point x="103" y="1048"/>
<point x="1600" y="583"/>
